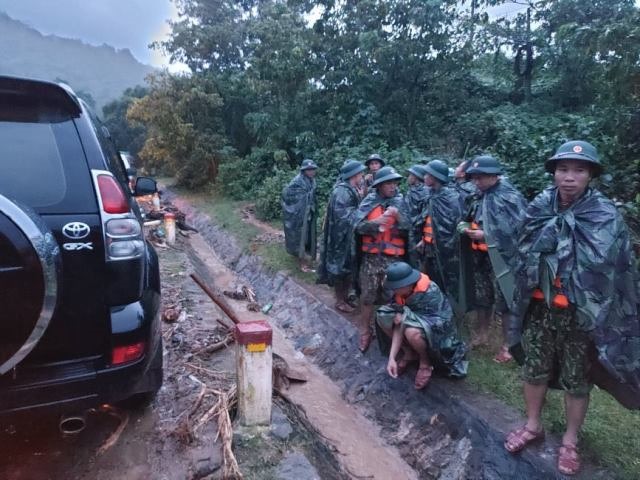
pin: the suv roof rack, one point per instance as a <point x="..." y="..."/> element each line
<point x="58" y="93"/>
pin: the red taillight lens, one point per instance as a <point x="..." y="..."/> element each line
<point x="126" y="353"/>
<point x="113" y="198"/>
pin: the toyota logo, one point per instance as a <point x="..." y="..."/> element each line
<point x="76" y="230"/>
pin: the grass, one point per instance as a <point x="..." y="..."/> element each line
<point x="611" y="434"/>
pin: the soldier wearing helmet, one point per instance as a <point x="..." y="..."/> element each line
<point x="419" y="323"/>
<point x="488" y="246"/>
<point x="575" y="294"/>
<point x="299" y="213"/>
<point x="434" y="234"/>
<point x="373" y="164"/>
<point x="337" y="259"/>
<point x="381" y="226"/>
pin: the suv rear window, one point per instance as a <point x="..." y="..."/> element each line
<point x="42" y="162"/>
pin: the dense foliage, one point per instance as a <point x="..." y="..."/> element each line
<point x="275" y="81"/>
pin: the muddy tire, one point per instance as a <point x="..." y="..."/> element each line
<point x="30" y="273"/>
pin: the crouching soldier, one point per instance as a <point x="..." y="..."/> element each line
<point x="381" y="227"/>
<point x="419" y="322"/>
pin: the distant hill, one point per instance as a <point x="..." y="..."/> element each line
<point x="103" y="71"/>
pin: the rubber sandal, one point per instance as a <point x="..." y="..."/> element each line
<point x="344" y="307"/>
<point x="422" y="377"/>
<point x="568" y="459"/>
<point x="517" y="440"/>
<point x="365" y="341"/>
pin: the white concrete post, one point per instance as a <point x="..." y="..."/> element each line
<point x="170" y="227"/>
<point x="254" y="361"/>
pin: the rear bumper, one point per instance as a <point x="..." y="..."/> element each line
<point x="84" y="383"/>
<point x="78" y="385"/>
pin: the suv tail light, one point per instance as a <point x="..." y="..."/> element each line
<point x="112" y="196"/>
<point x="127" y="353"/>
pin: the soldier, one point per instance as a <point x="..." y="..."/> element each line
<point x="489" y="248"/>
<point x="299" y="214"/>
<point x="462" y="185"/>
<point x="381" y="227"/>
<point x="337" y="255"/>
<point x="434" y="234"/>
<point x="576" y="285"/>
<point x="418" y="321"/>
<point x="417" y="190"/>
<point x="373" y="163"/>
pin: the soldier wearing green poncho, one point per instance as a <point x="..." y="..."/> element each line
<point x="337" y="253"/>
<point x="462" y="185"/>
<point x="299" y="213"/>
<point x="488" y="247"/>
<point x="414" y="202"/>
<point x="418" y="321"/>
<point x="577" y="300"/>
<point x="381" y="226"/>
<point x="434" y="233"/>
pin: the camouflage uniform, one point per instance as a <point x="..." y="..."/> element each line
<point x="588" y="250"/>
<point x="372" y="277"/>
<point x="486" y="290"/>
<point x="299" y="214"/>
<point x="554" y="345"/>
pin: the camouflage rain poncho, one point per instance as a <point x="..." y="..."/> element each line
<point x="588" y="247"/>
<point x="414" y="200"/>
<point x="443" y="208"/>
<point x="464" y="191"/>
<point x="499" y="212"/>
<point x="431" y="312"/>
<point x="337" y="251"/>
<point x="299" y="214"/>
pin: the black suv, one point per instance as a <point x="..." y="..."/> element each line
<point x="79" y="286"/>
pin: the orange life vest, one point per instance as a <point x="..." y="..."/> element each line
<point x="478" y="244"/>
<point x="427" y="231"/>
<point x="559" y="299"/>
<point x="388" y="242"/>
<point x="422" y="285"/>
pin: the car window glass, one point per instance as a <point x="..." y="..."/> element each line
<point x="42" y="164"/>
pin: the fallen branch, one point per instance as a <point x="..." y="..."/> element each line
<point x="230" y="468"/>
<point x="123" y="416"/>
<point x="217" y="299"/>
<point x="228" y="340"/>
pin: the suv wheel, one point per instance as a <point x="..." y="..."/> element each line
<point x="29" y="281"/>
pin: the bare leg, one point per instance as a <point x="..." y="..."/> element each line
<point x="364" y="326"/>
<point x="534" y="396"/>
<point x="483" y="321"/>
<point x="576" y="410"/>
<point x="418" y="345"/>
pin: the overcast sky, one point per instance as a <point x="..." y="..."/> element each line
<point x="131" y="24"/>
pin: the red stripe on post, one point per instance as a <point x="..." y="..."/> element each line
<point x="253" y="332"/>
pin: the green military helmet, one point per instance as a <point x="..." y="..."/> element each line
<point x="438" y="170"/>
<point x="308" y="164"/>
<point x="350" y="168"/>
<point x="487" y="164"/>
<point x="400" y="274"/>
<point x="576" y="150"/>
<point x="417" y="170"/>
<point x="375" y="156"/>
<point x="385" y="174"/>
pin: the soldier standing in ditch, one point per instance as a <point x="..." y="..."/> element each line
<point x="489" y="249"/>
<point x="414" y="201"/>
<point x="577" y="293"/>
<point x="381" y="226"/>
<point x="373" y="164"/>
<point x="337" y="253"/>
<point x="299" y="213"/>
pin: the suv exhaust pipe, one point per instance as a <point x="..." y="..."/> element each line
<point x="72" y="424"/>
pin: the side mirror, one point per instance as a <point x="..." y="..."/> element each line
<point x="145" y="186"/>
